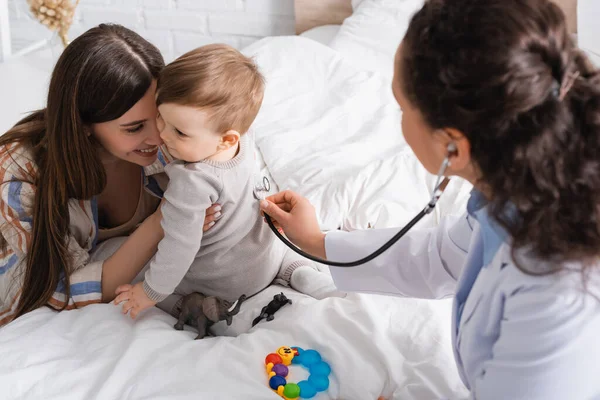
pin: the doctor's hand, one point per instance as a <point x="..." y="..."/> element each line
<point x="298" y="219"/>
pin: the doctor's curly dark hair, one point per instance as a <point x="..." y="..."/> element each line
<point x="493" y="69"/>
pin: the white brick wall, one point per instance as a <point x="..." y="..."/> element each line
<point x="174" y="26"/>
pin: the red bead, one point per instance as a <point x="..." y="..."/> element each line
<point x="273" y="358"/>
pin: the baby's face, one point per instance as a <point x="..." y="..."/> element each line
<point x="187" y="133"/>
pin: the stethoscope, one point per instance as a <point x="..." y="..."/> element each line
<point x="440" y="185"/>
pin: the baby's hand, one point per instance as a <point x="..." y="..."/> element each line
<point x="135" y="299"/>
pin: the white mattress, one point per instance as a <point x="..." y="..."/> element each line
<point x="332" y="133"/>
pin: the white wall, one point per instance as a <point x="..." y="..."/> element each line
<point x="175" y="26"/>
<point x="589" y="28"/>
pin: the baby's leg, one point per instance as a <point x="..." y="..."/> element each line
<point x="302" y="275"/>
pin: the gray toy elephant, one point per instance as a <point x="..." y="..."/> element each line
<point x="201" y="312"/>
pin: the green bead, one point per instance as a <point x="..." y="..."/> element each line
<point x="291" y="390"/>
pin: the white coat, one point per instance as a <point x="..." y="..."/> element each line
<point x="515" y="336"/>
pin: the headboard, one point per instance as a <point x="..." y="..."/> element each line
<point x="313" y="13"/>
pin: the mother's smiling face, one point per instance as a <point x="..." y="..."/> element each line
<point x="133" y="136"/>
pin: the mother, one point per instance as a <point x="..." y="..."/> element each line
<point x="82" y="174"/>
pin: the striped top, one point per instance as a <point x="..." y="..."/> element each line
<point x="17" y="170"/>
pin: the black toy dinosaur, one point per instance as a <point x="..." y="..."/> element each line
<point x="268" y="311"/>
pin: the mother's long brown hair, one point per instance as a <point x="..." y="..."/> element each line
<point x="498" y="70"/>
<point x="98" y="77"/>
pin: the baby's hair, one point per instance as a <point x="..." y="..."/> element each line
<point x="507" y="74"/>
<point x="218" y="79"/>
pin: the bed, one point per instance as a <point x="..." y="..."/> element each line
<point x="327" y="110"/>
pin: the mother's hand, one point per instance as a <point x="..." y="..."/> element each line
<point x="213" y="213"/>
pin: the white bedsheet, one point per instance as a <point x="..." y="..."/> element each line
<point x="332" y="133"/>
<point x="375" y="345"/>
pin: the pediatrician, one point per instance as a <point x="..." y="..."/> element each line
<point x="496" y="89"/>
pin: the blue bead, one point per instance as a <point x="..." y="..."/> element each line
<point x="310" y="357"/>
<point x="298" y="359"/>
<point x="319" y="382"/>
<point x="320" y="368"/>
<point x="307" y="390"/>
<point x="277" y="381"/>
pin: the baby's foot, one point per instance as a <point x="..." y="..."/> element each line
<point x="317" y="284"/>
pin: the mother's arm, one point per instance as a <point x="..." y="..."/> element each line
<point x="130" y="258"/>
<point x="138" y="249"/>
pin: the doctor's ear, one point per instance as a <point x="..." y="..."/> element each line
<point x="457" y="148"/>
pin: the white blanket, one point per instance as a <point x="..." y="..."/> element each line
<point x="375" y="346"/>
<point x="332" y="133"/>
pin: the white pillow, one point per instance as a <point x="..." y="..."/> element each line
<point x="356" y="3"/>
<point x="370" y="36"/>
<point x="323" y="34"/>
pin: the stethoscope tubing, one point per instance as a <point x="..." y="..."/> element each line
<point x="439" y="189"/>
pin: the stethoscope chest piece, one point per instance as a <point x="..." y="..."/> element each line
<point x="262" y="188"/>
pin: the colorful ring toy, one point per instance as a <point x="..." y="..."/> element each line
<point x="277" y="369"/>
